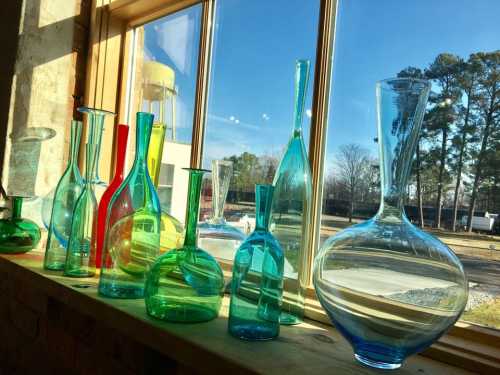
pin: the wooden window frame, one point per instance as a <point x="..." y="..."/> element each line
<point x="109" y="69"/>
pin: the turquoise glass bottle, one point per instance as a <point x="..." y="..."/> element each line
<point x="257" y="284"/>
<point x="80" y="255"/>
<point x="186" y="284"/>
<point x="67" y="191"/>
<point x="290" y="217"/>
<point x="132" y="240"/>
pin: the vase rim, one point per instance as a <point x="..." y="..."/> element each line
<point x="97" y="111"/>
<point x="384" y="83"/>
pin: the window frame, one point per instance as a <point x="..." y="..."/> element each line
<point x="109" y="71"/>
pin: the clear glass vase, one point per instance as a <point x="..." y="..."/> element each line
<point x="18" y="235"/>
<point x="121" y="152"/>
<point x="215" y="234"/>
<point x="132" y="226"/>
<point x="257" y="283"/>
<point x="291" y="207"/>
<point x="62" y="205"/>
<point x="80" y="255"/>
<point x="186" y="284"/>
<point x="390" y="288"/>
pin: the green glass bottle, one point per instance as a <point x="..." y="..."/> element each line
<point x="18" y="235"/>
<point x="186" y="284"/>
<point x="67" y="191"/>
<point x="132" y="239"/>
<point x="80" y="256"/>
<point x="291" y="205"/>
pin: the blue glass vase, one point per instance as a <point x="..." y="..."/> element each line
<point x="257" y="284"/>
<point x="390" y="288"/>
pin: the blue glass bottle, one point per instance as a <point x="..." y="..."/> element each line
<point x="257" y="284"/>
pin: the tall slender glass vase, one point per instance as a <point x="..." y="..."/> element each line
<point x="80" y="256"/>
<point x="155" y="151"/>
<point x="257" y="284"/>
<point x="291" y="207"/>
<point x="390" y="288"/>
<point x="215" y="234"/>
<point x="133" y="225"/>
<point x="121" y="151"/>
<point x="186" y="284"/>
<point x="66" y="193"/>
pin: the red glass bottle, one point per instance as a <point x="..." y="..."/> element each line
<point x="121" y="148"/>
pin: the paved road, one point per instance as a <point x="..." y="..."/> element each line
<point x="480" y="270"/>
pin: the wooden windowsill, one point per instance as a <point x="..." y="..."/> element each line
<point x="310" y="347"/>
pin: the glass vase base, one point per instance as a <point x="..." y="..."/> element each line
<point x="288" y="319"/>
<point x="376" y="364"/>
<point x="173" y="312"/>
<point x="251" y="332"/>
<point x="18" y="250"/>
<point x="121" y="291"/>
<point x="78" y="273"/>
<point x="55" y="266"/>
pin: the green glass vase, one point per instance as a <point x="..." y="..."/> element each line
<point x="18" y="235"/>
<point x="291" y="205"/>
<point x="132" y="239"/>
<point x="67" y="191"/>
<point x="80" y="255"/>
<point x="186" y="284"/>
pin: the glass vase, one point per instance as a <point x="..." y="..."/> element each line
<point x="215" y="234"/>
<point x="121" y="151"/>
<point x="62" y="205"/>
<point x="390" y="288"/>
<point x="80" y="255"/>
<point x="132" y="225"/>
<point x="155" y="152"/>
<point x="291" y="205"/>
<point x="257" y="283"/>
<point x="186" y="284"/>
<point x="18" y="235"/>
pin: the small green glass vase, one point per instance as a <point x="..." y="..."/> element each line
<point x="186" y="284"/>
<point x="80" y="256"/>
<point x="132" y="241"/>
<point x="291" y="204"/>
<point x="18" y="235"/>
<point x="67" y="191"/>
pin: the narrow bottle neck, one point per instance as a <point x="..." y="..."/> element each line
<point x="121" y="150"/>
<point x="221" y="176"/>
<point x="76" y="131"/>
<point x="144" y="125"/>
<point x="263" y="203"/>
<point x="17" y="206"/>
<point x="195" y="180"/>
<point x="301" y="80"/>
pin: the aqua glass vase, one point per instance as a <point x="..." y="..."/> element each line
<point x="121" y="152"/>
<point x="215" y="234"/>
<point x="257" y="283"/>
<point x="80" y="255"/>
<point x="186" y="284"/>
<point x="63" y="203"/>
<point x="132" y="239"/>
<point x="18" y="235"/>
<point x="390" y="288"/>
<point x="290" y="216"/>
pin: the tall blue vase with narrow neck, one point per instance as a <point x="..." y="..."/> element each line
<point x="257" y="284"/>
<point x="132" y="240"/>
<point x="290" y="215"/>
<point x="390" y="288"/>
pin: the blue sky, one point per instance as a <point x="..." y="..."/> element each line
<point x="256" y="45"/>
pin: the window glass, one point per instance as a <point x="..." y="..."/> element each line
<point x="377" y="40"/>
<point x="164" y="83"/>
<point x="250" y="106"/>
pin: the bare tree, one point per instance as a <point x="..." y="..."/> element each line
<point x="352" y="161"/>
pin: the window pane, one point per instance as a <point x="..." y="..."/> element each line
<point x="164" y="83"/>
<point x="250" y="106"/>
<point x="377" y="40"/>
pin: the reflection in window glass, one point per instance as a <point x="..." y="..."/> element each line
<point x="250" y="107"/>
<point x="164" y="83"/>
<point x="458" y="159"/>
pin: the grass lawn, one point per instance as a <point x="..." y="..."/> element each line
<point x="487" y="314"/>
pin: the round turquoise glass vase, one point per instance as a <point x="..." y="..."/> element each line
<point x="390" y="288"/>
<point x="291" y="205"/>
<point x="63" y="203"/>
<point x="186" y="284"/>
<point x="18" y="235"/>
<point x="215" y="234"/>
<point x="80" y="255"/>
<point x="257" y="283"/>
<point x="132" y="239"/>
